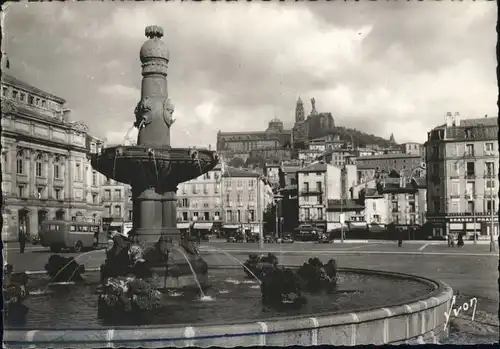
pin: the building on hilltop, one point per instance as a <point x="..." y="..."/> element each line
<point x="407" y="164"/>
<point x="45" y="164"/>
<point x="240" y="144"/>
<point x="462" y="176"/>
<point x="314" y="126"/>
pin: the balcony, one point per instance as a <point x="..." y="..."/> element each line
<point x="311" y="192"/>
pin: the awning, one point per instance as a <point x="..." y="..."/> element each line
<point x="203" y="225"/>
<point x="184" y="225"/>
<point x="231" y="226"/>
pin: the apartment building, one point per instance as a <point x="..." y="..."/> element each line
<point x="406" y="199"/>
<point x="316" y="184"/>
<point x="44" y="160"/>
<point x="406" y="164"/>
<point x="462" y="176"/>
<point x="117" y="200"/>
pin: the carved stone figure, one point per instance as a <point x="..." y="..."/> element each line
<point x="168" y="110"/>
<point x="141" y="112"/>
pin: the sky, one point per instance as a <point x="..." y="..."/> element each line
<point x="380" y="67"/>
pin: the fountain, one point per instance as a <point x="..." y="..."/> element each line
<point x="382" y="307"/>
<point x="154" y="169"/>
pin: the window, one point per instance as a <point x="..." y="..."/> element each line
<point x="22" y="97"/>
<point x="239" y="184"/>
<point x="78" y="173"/>
<point x="238" y="198"/>
<point x="228" y="199"/>
<point x="118" y="210"/>
<point x="44" y="104"/>
<point x="490" y="183"/>
<point x="31" y="100"/>
<point x="217" y="188"/>
<point x="318" y="173"/>
<point x="488" y="148"/>
<point x="251" y="197"/>
<point x="195" y="189"/>
<point x="471" y="169"/>
<point x="184" y="216"/>
<point x="490" y="169"/>
<point x="470" y="206"/>
<point x="4" y="91"/>
<point x="14" y="94"/>
<point x="20" y="191"/>
<point x="108" y="209"/>
<point x="38" y="102"/>
<point x="206" y="216"/>
<point x="229" y="215"/>
<point x="94" y="198"/>
<point x="306" y="187"/>
<point x="118" y="194"/>
<point x="185" y="202"/>
<point x="94" y="178"/>
<point x="107" y="194"/>
<point x="455" y="188"/>
<point x="318" y="186"/>
<point x="20" y="164"/>
<point x="205" y="188"/>
<point x="251" y="215"/>
<point x="470" y="189"/>
<point x="307" y="214"/>
<point x="412" y="207"/>
<point x="56" y="171"/>
<point x="251" y="183"/>
<point x="57" y="193"/>
<point x="38" y="167"/>
<point x="489" y="205"/>
<point x="40" y="192"/>
<point x="239" y="215"/>
<point x="469" y="150"/>
<point x="320" y="213"/>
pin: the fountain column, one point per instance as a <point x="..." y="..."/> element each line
<point x="154" y="200"/>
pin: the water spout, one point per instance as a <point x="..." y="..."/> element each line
<point x="240" y="263"/>
<point x="203" y="296"/>
<point x="74" y="260"/>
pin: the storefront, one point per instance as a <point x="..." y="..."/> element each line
<point x="466" y="224"/>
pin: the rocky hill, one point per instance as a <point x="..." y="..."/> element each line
<point x="360" y="139"/>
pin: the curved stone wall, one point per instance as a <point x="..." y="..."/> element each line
<point x="418" y="321"/>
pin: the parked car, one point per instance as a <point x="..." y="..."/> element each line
<point x="324" y="239"/>
<point x="238" y="238"/>
<point x="268" y="239"/>
<point x="252" y="238"/>
<point x="287" y="239"/>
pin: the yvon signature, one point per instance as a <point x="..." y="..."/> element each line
<point x="471" y="304"/>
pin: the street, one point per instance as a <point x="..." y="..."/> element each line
<point x="470" y="271"/>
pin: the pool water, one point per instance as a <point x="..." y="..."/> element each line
<point x="232" y="298"/>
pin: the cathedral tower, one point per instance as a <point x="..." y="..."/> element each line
<point x="299" y="111"/>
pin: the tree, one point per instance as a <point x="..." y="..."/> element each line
<point x="269" y="218"/>
<point x="256" y="160"/>
<point x="237" y="162"/>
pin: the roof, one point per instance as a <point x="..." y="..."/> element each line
<point x="314" y="167"/>
<point x="11" y="80"/>
<point x="366" y="167"/>
<point x="344" y="205"/>
<point x="388" y="156"/>
<point x="392" y="185"/>
<point x="291" y="187"/>
<point x="371" y="192"/>
<point x="249" y="133"/>
<point x="487" y="121"/>
<point x="237" y="172"/>
<point x="291" y="169"/>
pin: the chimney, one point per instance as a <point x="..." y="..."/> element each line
<point x="402" y="182"/>
<point x="456" y="119"/>
<point x="66" y="115"/>
<point x="449" y="119"/>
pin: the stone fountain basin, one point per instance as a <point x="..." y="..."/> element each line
<point x="136" y="164"/>
<point x="412" y="320"/>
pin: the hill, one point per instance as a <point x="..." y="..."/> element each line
<point x="360" y="139"/>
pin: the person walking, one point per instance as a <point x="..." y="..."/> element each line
<point x="22" y="240"/>
<point x="400" y="238"/>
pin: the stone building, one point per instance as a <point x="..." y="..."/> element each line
<point x="407" y="164"/>
<point x="232" y="198"/>
<point x="240" y="144"/>
<point x="44" y="160"/>
<point x="462" y="176"/>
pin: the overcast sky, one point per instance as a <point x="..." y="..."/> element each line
<point x="380" y="67"/>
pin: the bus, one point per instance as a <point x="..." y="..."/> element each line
<point x="76" y="236"/>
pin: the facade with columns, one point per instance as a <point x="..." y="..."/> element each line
<point x="45" y="167"/>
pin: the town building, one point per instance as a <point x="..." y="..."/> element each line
<point x="316" y="184"/>
<point x="44" y="160"/>
<point x="225" y="198"/>
<point x="407" y="164"/>
<point x="406" y="198"/>
<point x="462" y="176"/>
<point x="376" y="207"/>
<point x="117" y="201"/>
<point x="240" y="144"/>
<point x="274" y="155"/>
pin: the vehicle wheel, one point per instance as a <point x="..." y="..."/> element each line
<point x="78" y="246"/>
<point x="55" y="249"/>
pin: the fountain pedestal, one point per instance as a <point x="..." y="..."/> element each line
<point x="154" y="169"/>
